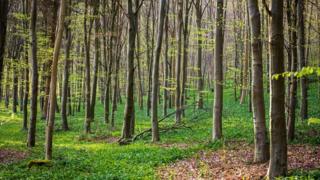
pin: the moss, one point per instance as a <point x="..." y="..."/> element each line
<point x="46" y="163"/>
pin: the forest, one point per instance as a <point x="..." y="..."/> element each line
<point x="159" y="89"/>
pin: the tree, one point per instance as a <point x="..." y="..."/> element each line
<point x="132" y="15"/>
<point x="199" y="14"/>
<point x="53" y="85"/>
<point x="26" y="71"/>
<point x="34" y="80"/>
<point x="302" y="58"/>
<point x="218" y="73"/>
<point x="278" y="139"/>
<point x="96" y="57"/>
<point x="4" y="9"/>
<point x="65" y="87"/>
<point x="178" y="62"/>
<point x="87" y="33"/>
<point x="260" y="141"/>
<point x="155" y="74"/>
<point x="293" y="79"/>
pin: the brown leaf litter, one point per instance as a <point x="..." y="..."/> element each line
<point x="235" y="161"/>
<point x="8" y="156"/>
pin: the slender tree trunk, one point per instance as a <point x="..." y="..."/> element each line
<point x="260" y="138"/>
<point x="165" y="65"/>
<point x="218" y="73"/>
<point x="53" y="85"/>
<point x="199" y="53"/>
<point x="65" y="87"/>
<point x="185" y="55"/>
<point x="129" y="108"/>
<point x="96" y="58"/>
<point x="302" y="58"/>
<point x="34" y="80"/>
<point x="26" y="70"/>
<point x="178" y="62"/>
<point x="278" y="139"/>
<point x="88" y="118"/>
<point x="293" y="79"/>
<point x="155" y="74"/>
<point x="4" y="9"/>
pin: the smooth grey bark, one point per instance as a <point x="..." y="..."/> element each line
<point x="218" y="73"/>
<point x="260" y="137"/>
<point x="278" y="131"/>
<point x="53" y="84"/>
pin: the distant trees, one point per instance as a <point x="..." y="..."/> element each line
<point x="106" y="56"/>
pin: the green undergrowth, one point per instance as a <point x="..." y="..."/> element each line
<point x="98" y="155"/>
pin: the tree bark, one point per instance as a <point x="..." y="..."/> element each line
<point x="260" y="138"/>
<point x="155" y="74"/>
<point x="34" y="80"/>
<point x="96" y="57"/>
<point x="88" y="118"/>
<point x="218" y="73"/>
<point x="4" y="9"/>
<point x="278" y="139"/>
<point x="293" y="79"/>
<point x="302" y="58"/>
<point x="129" y="108"/>
<point x="178" y="62"/>
<point x="53" y="84"/>
<point x="65" y="87"/>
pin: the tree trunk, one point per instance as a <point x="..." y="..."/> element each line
<point x="178" y="62"/>
<point x="185" y="55"/>
<point x="4" y="9"/>
<point x="155" y="74"/>
<point x="218" y="73"/>
<point x="96" y="57"/>
<point x="278" y="139"/>
<point x="88" y="118"/>
<point x="260" y="138"/>
<point x="129" y="108"/>
<point x="53" y="85"/>
<point x="293" y="79"/>
<point x="34" y="80"/>
<point x="165" y="64"/>
<point x="302" y="58"/>
<point x="199" y="14"/>
<point x="65" y="87"/>
<point x="26" y="70"/>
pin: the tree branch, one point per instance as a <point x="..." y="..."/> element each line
<point x="266" y="7"/>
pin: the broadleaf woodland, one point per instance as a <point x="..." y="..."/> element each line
<point x="159" y="89"/>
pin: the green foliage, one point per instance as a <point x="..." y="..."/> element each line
<point x="313" y="121"/>
<point x="77" y="156"/>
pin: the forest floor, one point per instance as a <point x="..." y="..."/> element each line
<point x="183" y="153"/>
